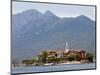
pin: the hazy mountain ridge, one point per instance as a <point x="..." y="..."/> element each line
<point x="34" y="31"/>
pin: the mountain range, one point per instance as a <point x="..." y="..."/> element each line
<point x="33" y="31"/>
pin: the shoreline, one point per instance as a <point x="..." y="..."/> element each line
<point x="68" y="62"/>
<point x="54" y="64"/>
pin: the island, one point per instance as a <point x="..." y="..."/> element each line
<point x="58" y="57"/>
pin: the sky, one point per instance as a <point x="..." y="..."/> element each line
<point x="57" y="9"/>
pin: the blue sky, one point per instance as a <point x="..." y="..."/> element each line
<point x="59" y="10"/>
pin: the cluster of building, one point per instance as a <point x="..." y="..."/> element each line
<point x="64" y="53"/>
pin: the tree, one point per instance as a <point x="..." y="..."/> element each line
<point x="25" y="62"/>
<point x="53" y="60"/>
<point x="77" y="57"/>
<point x="73" y="57"/>
<point x="40" y="58"/>
<point x="89" y="57"/>
<point x="28" y="62"/>
<point x="70" y="57"/>
<point x="44" y="56"/>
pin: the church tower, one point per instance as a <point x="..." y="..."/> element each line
<point x="66" y="47"/>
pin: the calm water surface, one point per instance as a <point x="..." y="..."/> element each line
<point x="66" y="67"/>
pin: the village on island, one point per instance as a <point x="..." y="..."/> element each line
<point x="58" y="57"/>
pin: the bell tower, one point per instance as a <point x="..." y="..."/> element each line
<point x="66" y="47"/>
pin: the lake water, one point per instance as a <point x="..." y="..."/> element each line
<point x="66" y="67"/>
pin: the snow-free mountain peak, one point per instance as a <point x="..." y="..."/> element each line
<point x="49" y="13"/>
<point x="83" y="17"/>
<point x="32" y="11"/>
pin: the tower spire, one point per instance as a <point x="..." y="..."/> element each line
<point x="66" y="47"/>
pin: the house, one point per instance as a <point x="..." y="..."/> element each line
<point x="62" y="53"/>
<point x="82" y="54"/>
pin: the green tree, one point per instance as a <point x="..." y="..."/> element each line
<point x="40" y="59"/>
<point x="44" y="56"/>
<point x="28" y="62"/>
<point x="77" y="57"/>
<point x="89" y="57"/>
<point x="71" y="57"/>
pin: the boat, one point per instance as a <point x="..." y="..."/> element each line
<point x="48" y="64"/>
